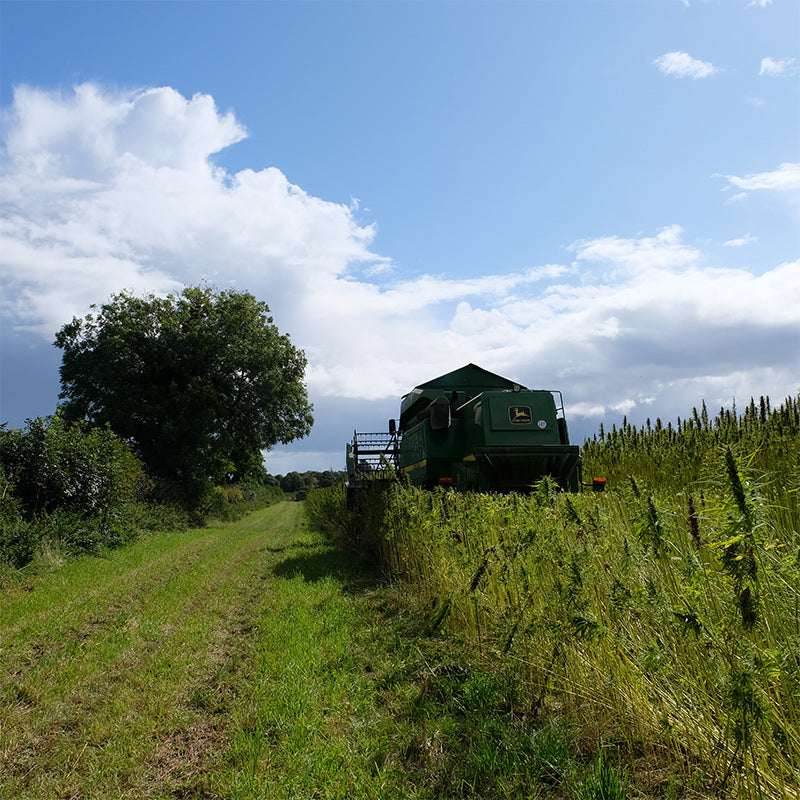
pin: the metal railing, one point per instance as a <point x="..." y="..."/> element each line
<point x="375" y="452"/>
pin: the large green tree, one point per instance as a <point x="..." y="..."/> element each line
<point x="201" y="382"/>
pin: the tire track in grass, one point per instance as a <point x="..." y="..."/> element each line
<point x="93" y="685"/>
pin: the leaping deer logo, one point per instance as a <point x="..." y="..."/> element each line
<point x="519" y="415"/>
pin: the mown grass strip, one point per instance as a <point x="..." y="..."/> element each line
<point x="103" y="664"/>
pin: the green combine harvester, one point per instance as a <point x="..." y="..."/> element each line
<point x="470" y="430"/>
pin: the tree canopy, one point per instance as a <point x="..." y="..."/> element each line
<point x="200" y="382"/>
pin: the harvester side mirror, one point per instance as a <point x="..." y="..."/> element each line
<point x="392" y="427"/>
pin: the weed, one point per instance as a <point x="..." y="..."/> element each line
<point x="604" y="780"/>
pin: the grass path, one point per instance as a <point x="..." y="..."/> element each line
<point x="182" y="666"/>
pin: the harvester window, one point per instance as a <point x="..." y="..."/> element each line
<point x="440" y="414"/>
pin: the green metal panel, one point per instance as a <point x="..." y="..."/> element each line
<point x="512" y="440"/>
<point x="427" y="455"/>
<point x="527" y="415"/>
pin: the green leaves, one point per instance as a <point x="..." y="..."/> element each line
<point x="201" y="382"/>
<point x="65" y="483"/>
<point x="53" y="464"/>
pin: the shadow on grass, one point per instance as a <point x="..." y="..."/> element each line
<point x="355" y="572"/>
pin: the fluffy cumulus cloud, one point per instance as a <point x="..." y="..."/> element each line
<point x="681" y="65"/>
<point x="104" y="191"/>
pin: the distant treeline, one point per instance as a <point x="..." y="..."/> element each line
<point x="294" y="482"/>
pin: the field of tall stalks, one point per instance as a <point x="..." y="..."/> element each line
<point x="662" y="615"/>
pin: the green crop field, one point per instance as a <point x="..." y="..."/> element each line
<point x="659" y="617"/>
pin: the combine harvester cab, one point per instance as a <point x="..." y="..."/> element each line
<point x="476" y="431"/>
<point x="471" y="430"/>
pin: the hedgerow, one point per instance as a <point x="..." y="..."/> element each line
<point x="78" y="489"/>
<point x="66" y="484"/>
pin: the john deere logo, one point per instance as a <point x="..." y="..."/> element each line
<point x="520" y="415"/>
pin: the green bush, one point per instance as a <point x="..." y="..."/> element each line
<point x="55" y="465"/>
<point x="66" y="484"/>
<point x="17" y="537"/>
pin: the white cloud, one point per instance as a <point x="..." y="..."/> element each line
<point x="748" y="238"/>
<point x="682" y="65"/>
<point x="91" y="131"/>
<point x="664" y="251"/>
<point x="91" y="206"/>
<point x="785" y="178"/>
<point x="783" y="68"/>
<point x="111" y="190"/>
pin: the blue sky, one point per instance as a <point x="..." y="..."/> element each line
<point x="598" y="197"/>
